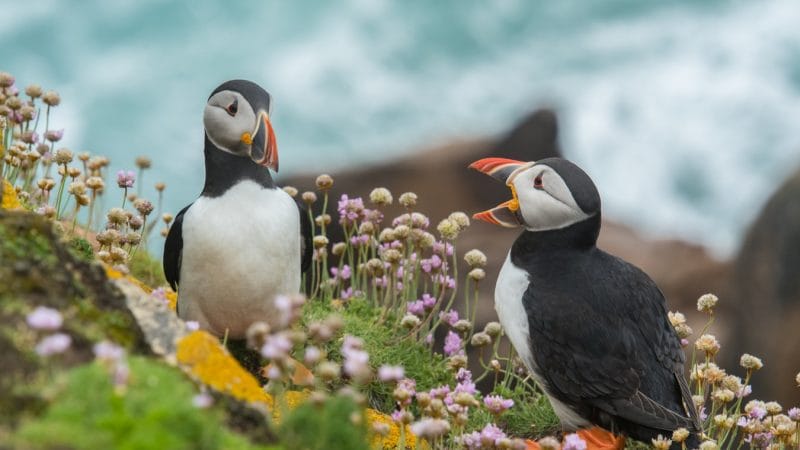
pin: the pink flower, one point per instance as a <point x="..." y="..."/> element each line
<point x="440" y="392"/>
<point x="192" y="325"/>
<point x="497" y="404"/>
<point x="573" y="442"/>
<point x="276" y="346"/>
<point x="125" y="179"/>
<point x="53" y="344"/>
<point x="443" y="248"/>
<point x="431" y="264"/>
<point x="428" y="301"/>
<point x="202" y="400"/>
<point x="450" y="317"/>
<point x="343" y="274"/>
<point x="491" y="434"/>
<point x="416" y="308"/>
<point x="465" y="384"/>
<point x="794" y="414"/>
<point x="54" y="135"/>
<point x="388" y="373"/>
<point x="44" y="318"/>
<point x="452" y="344"/>
<point x="350" y="210"/>
<point x="108" y="351"/>
<point x="758" y="412"/>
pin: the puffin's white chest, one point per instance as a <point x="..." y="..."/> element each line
<point x="512" y="282"/>
<point x="240" y="250"/>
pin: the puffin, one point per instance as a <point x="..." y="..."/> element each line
<point x="244" y="242"/>
<point x="591" y="328"/>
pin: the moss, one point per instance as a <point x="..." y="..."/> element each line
<point x="154" y="411"/>
<point x="81" y="248"/>
<point x="146" y="269"/>
<point x="337" y="424"/>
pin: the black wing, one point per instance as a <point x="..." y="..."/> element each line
<point x="306" y="243"/>
<point x="606" y="344"/>
<point x="173" y="248"/>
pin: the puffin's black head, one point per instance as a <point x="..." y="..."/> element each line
<point x="550" y="194"/>
<point x="236" y="120"/>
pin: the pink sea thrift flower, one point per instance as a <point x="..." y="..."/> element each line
<point x="387" y="373"/>
<point x="573" y="442"/>
<point x="350" y="210"/>
<point x="44" y="318"/>
<point x="276" y="346"/>
<point x="202" y="400"/>
<point x="53" y="344"/>
<point x="192" y="325"/>
<point x="416" y="308"/>
<point x="497" y="404"/>
<point x="449" y="317"/>
<point x="108" y="351"/>
<point x="125" y="179"/>
<point x="343" y="274"/>
<point x="452" y="344"/>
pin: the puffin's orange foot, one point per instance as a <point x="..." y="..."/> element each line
<point x="595" y="438"/>
<point x="600" y="439"/>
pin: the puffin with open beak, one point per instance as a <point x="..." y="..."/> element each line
<point x="591" y="328"/>
<point x="244" y="241"/>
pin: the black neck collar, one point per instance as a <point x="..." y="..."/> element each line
<point x="224" y="170"/>
<point x="581" y="236"/>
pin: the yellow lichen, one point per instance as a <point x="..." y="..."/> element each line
<point x="392" y="438"/>
<point x="203" y="356"/>
<point x="10" y="200"/>
<point x="172" y="299"/>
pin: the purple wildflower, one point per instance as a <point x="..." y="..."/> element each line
<point x="397" y="416"/>
<point x="744" y="391"/>
<point x="54" y="135"/>
<point x="452" y="344"/>
<point x="440" y="392"/>
<point x="276" y="346"/>
<point x="108" y="351"/>
<point x="445" y="281"/>
<point x="491" y="434"/>
<point x="347" y="293"/>
<point x="443" y="248"/>
<point x="794" y="414"/>
<point x="573" y="442"/>
<point x="121" y="373"/>
<point x="373" y="215"/>
<point x="355" y="358"/>
<point x="428" y="301"/>
<point x="388" y="373"/>
<point x="470" y="441"/>
<point x="202" y="400"/>
<point x="497" y="404"/>
<point x="160" y="294"/>
<point x="44" y="318"/>
<point x="431" y="264"/>
<point x="416" y="308"/>
<point x="702" y="413"/>
<point x="465" y="384"/>
<point x="125" y="179"/>
<point x="192" y="325"/>
<point x="450" y="317"/>
<point x="429" y="339"/>
<point x="350" y="210"/>
<point x="760" y="440"/>
<point x="742" y="422"/>
<point x="758" y="412"/>
<point x="53" y="344"/>
<point x="360" y="240"/>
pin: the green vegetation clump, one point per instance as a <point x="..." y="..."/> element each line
<point x="153" y="411"/>
<point x="335" y="424"/>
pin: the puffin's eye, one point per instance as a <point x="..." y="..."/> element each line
<point x="233" y="107"/>
<point x="537" y="182"/>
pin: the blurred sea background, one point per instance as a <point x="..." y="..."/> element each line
<point x="685" y="113"/>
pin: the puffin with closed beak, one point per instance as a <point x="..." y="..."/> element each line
<point x="591" y="328"/>
<point x="244" y="241"/>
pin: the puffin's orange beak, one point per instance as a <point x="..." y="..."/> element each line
<point x="507" y="213"/>
<point x="264" y="146"/>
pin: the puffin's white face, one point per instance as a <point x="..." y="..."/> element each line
<point x="545" y="201"/>
<point x="227" y="117"/>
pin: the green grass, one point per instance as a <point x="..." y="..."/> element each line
<point x="147" y="269"/>
<point x="154" y="411"/>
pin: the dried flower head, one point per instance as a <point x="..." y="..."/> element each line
<point x="117" y="216"/>
<point x="680" y="435"/>
<point x="448" y="229"/>
<point x="309" y="197"/>
<point x="381" y="196"/>
<point x="126" y="178"/>
<point x="661" y="443"/>
<point x="706" y="303"/>
<point x="291" y="190"/>
<point x="322" y="219"/>
<point x="320" y="241"/>
<point x="709" y="445"/>
<point x="549" y="443"/>
<point x="480" y="339"/>
<point x="46" y="184"/>
<point x="708" y="344"/>
<point x="723" y="395"/>
<point x="6" y="79"/>
<point x="324" y="182"/>
<point x="63" y="156"/>
<point x="410" y="321"/>
<point x="95" y="183"/>
<point x="54" y="135"/>
<point x="773" y="408"/>
<point x="77" y="188"/>
<point x="33" y="91"/>
<point x="160" y="186"/>
<point x="477" y="274"/>
<point x="408" y="199"/>
<point x="460" y="219"/>
<point x="750" y="362"/>
<point x="118" y="255"/>
<point x="392" y="256"/>
<point x="51" y="98"/>
<point x="143" y="162"/>
<point x="143" y="206"/>
<point x="133" y="238"/>
<point x="135" y="222"/>
<point x="475" y="258"/>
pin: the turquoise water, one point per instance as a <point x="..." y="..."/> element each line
<point x="684" y="112"/>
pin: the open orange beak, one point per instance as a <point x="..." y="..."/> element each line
<point x="507" y="213"/>
<point x="263" y="145"/>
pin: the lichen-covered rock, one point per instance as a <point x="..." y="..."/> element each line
<point x="38" y="269"/>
